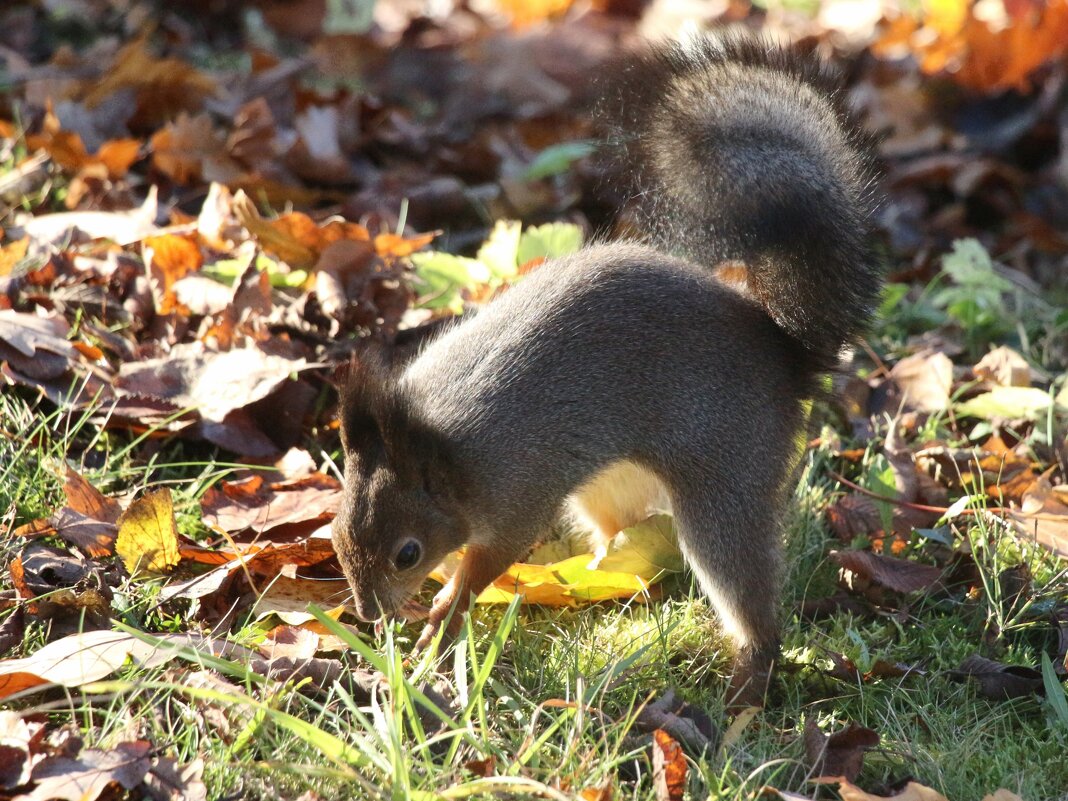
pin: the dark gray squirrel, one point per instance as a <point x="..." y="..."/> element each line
<point x="635" y="376"/>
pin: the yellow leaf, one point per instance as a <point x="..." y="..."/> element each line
<point x="148" y="535"/>
<point x="636" y="559"/>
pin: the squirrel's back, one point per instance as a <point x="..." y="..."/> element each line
<point x="743" y="152"/>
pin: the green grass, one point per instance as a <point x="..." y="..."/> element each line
<point x="549" y="695"/>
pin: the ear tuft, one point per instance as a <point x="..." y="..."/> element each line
<point x="368" y="397"/>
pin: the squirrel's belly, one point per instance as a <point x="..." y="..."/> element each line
<point x="621" y="495"/>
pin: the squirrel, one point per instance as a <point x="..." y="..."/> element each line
<point x="677" y="368"/>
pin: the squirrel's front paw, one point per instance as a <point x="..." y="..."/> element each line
<point x="446" y="608"/>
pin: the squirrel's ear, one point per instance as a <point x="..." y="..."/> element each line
<point x="365" y="389"/>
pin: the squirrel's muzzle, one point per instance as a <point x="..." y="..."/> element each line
<point x="367" y="607"/>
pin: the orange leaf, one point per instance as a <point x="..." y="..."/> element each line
<point x="527" y="12"/>
<point x="397" y="246"/>
<point x="117" y="155"/>
<point x="12" y="253"/>
<point x="669" y="767"/>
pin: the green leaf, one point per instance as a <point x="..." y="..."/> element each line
<point x="880" y="480"/>
<point x="549" y="241"/>
<point x="557" y="159"/>
<point x="226" y="271"/>
<point x="1008" y="403"/>
<point x="499" y="253"/>
<point x="443" y="276"/>
<point x="1056" y="696"/>
<point x="970" y="265"/>
<point x="647" y="549"/>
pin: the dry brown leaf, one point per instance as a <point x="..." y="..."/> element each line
<point x="12" y="253"/>
<point x="1044" y="517"/>
<point x="215" y="384"/>
<point x="83" y="497"/>
<point x="293" y="642"/>
<point x="925" y="379"/>
<point x="170" y="781"/>
<point x="1005" y="367"/>
<point x="95" y="537"/>
<point x="190" y="150"/>
<point x="396" y="246"/>
<point x="838" y="754"/>
<point x="287" y="598"/>
<point x="258" y="506"/>
<point x="29" y="334"/>
<point x="88" y="775"/>
<point x="121" y="227"/>
<point x="899" y="575"/>
<point x="164" y="86"/>
<point x="18" y="740"/>
<point x="602" y="792"/>
<point x="483" y="767"/>
<point x="171" y="256"/>
<point x="999" y="681"/>
<point x="147" y="540"/>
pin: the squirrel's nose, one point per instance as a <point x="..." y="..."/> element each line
<point x="367" y="608"/>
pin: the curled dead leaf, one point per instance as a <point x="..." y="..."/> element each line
<point x="838" y="754"/>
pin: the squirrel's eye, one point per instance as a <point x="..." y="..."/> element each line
<point x="408" y="555"/>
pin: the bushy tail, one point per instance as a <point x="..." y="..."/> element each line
<point x="743" y="152"/>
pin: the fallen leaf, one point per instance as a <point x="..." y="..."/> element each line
<point x="1005" y="367"/>
<point x="121" y="227"/>
<point x="84" y="498"/>
<point x="898" y="575"/>
<point x="189" y="150"/>
<point x="482" y="767"/>
<point x="647" y="549"/>
<point x="13" y="629"/>
<point x="925" y="379"/>
<point x="999" y="681"/>
<point x="912" y="792"/>
<point x="641" y="556"/>
<point x="685" y="723"/>
<point x="92" y="655"/>
<point x="1043" y="517"/>
<point x="603" y="792"/>
<point x="84" y="778"/>
<point x="18" y="739"/>
<point x="254" y="505"/>
<point x="29" y="334"/>
<point x="838" y="754"/>
<point x="169" y="258"/>
<point x="148" y="534"/>
<point x="289" y="641"/>
<point x="1010" y="403"/>
<point x="163" y="87"/>
<point x="213" y="383"/>
<point x="170" y="781"/>
<point x="669" y="768"/>
<point x="68" y="150"/>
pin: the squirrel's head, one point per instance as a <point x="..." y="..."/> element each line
<point x="400" y="515"/>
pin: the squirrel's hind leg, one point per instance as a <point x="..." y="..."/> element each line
<point x="732" y="546"/>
